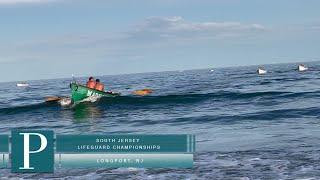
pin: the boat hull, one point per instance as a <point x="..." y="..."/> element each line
<point x="80" y="92"/>
<point x="22" y="85"/>
<point x="302" y="68"/>
<point x="261" y="71"/>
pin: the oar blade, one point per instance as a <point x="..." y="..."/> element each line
<point x="143" y="92"/>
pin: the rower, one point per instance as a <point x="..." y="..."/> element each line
<point x="91" y="83"/>
<point x="99" y="86"/>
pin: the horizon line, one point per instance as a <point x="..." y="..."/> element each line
<point x="231" y="66"/>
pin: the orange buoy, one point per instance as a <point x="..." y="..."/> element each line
<point x="143" y="92"/>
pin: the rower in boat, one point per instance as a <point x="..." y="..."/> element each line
<point x="99" y="86"/>
<point x="91" y="83"/>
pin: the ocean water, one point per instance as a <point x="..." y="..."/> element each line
<point x="247" y="126"/>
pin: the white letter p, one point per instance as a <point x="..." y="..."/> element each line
<point x="26" y="148"/>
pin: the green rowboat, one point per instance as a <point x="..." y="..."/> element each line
<point x="80" y="92"/>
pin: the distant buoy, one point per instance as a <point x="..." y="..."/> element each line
<point x="22" y="84"/>
<point x="261" y="71"/>
<point x="302" y="67"/>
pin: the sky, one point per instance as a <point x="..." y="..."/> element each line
<point x="47" y="39"/>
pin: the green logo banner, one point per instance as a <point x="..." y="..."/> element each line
<point x="32" y="151"/>
<point x="35" y="151"/>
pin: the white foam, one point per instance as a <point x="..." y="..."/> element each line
<point x="65" y="102"/>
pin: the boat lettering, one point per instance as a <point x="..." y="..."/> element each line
<point x="92" y="93"/>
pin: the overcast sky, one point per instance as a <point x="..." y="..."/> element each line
<point x="44" y="39"/>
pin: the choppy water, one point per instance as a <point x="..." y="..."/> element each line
<point x="247" y="126"/>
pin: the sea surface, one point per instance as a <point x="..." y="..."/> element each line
<point x="247" y="126"/>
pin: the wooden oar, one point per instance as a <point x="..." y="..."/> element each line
<point x="52" y="98"/>
<point x="63" y="101"/>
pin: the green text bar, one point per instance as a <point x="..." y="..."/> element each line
<point x="125" y="143"/>
<point x="124" y="160"/>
